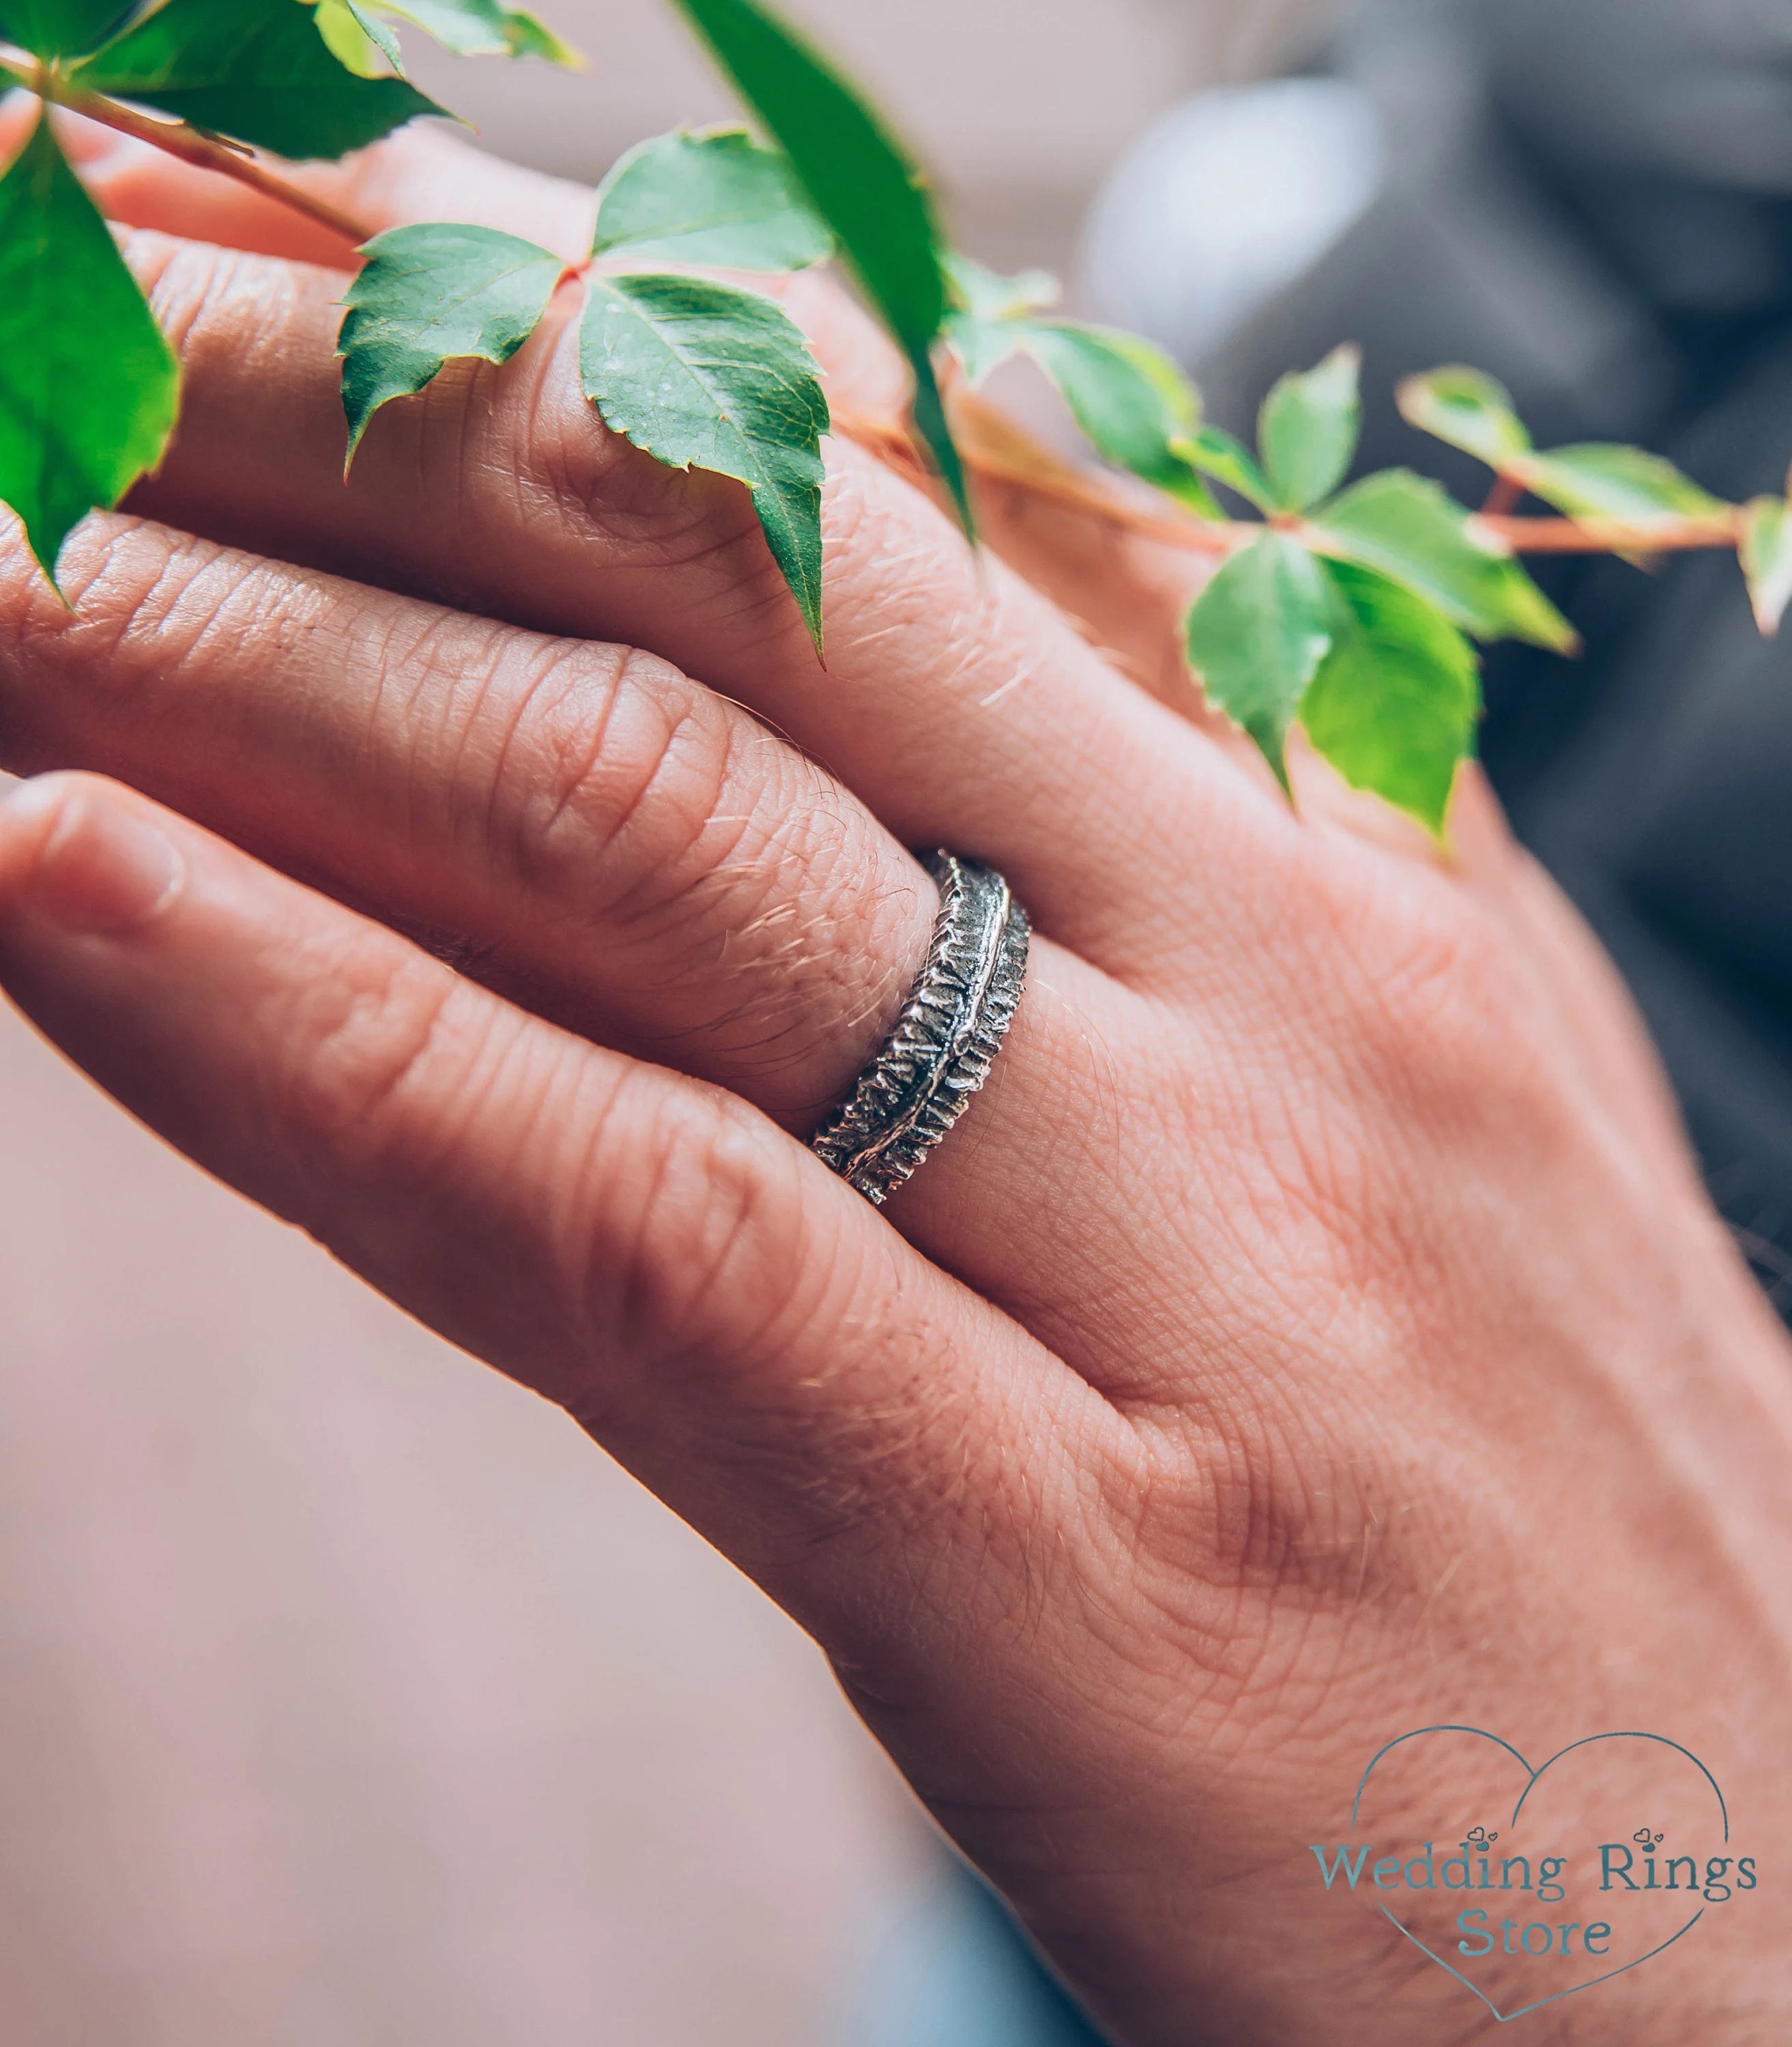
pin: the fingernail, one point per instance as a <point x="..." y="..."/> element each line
<point x="100" y="869"/>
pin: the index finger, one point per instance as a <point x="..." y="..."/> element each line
<point x="1124" y="594"/>
<point x="957" y="704"/>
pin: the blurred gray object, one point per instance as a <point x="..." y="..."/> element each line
<point x="1383" y="201"/>
<point x="1592" y="199"/>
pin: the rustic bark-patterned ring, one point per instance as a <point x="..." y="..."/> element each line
<point x="948" y="1035"/>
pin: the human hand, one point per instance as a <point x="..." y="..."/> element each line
<point x="1225" y="1398"/>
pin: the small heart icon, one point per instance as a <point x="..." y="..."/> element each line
<point x="1560" y="1895"/>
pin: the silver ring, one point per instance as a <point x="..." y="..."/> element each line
<point x="946" y="1039"/>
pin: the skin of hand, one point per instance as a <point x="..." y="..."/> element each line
<point x="1316" y="1330"/>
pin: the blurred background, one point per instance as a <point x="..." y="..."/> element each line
<point x="348" y="1697"/>
<point x="1018" y="107"/>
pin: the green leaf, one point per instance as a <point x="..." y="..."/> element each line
<point x="1600" y="480"/>
<point x="1395" y="706"/>
<point x="1604" y="482"/>
<point x="1257" y="635"/>
<point x="986" y="295"/>
<point x="703" y="375"/>
<point x="1408" y="528"/>
<point x="531" y="37"/>
<point x="859" y="180"/>
<point x="257" y="70"/>
<point x="1469" y="411"/>
<point x="428" y="295"/>
<point x="61" y="28"/>
<point x="1136" y="408"/>
<point x="1767" y="559"/>
<point x="1309" y="429"/>
<point x="719" y="198"/>
<point x="89" y="387"/>
<point x="989" y="318"/>
<point x="481" y="28"/>
<point x="1225" y="458"/>
<point x="358" y="38"/>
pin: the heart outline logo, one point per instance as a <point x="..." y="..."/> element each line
<point x="1532" y="1776"/>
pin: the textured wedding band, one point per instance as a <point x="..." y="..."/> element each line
<point x="948" y="1035"/>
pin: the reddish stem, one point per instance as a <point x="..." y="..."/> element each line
<point x="1616" y="536"/>
<point x="193" y="145"/>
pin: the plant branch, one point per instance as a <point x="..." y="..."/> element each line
<point x="1506" y="496"/>
<point x="995" y="448"/>
<point x="194" y="145"/>
<point x="1615" y="536"/>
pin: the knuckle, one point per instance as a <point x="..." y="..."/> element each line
<point x="209" y="300"/>
<point x="715" y="1273"/>
<point x="1299" y="1517"/>
<point x="611" y="778"/>
<point x="148" y="600"/>
<point x="711" y="1269"/>
<point x="121" y="579"/>
<point x="374" y="1059"/>
<point x="691" y="1256"/>
<point x="909" y="575"/>
<point x="632" y="791"/>
<point x="572" y="474"/>
<point x="1439" y="1018"/>
<point x="141" y="601"/>
<point x="1311" y="1547"/>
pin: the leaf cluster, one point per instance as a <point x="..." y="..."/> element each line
<point x="699" y="373"/>
<point x="89" y="389"/>
<point x="1354" y="613"/>
<point x="1350" y="612"/>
